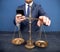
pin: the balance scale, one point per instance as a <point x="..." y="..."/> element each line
<point x="30" y="43"/>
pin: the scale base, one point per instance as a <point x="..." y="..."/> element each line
<point x="29" y="45"/>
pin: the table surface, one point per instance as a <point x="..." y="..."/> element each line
<point x="52" y="38"/>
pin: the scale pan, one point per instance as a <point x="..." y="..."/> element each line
<point x="17" y="41"/>
<point x="41" y="43"/>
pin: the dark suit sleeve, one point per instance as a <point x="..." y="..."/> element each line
<point x="41" y="12"/>
<point x="18" y="8"/>
<point x="24" y="23"/>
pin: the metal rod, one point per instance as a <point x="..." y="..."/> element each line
<point x="33" y="18"/>
<point x="44" y="33"/>
<point x="19" y="31"/>
<point x="30" y="38"/>
<point x="14" y="32"/>
<point x="40" y="34"/>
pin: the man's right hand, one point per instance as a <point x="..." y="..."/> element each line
<point x="19" y="18"/>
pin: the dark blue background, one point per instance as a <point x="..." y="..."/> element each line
<point x="8" y="7"/>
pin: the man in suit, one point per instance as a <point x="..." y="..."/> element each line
<point x="36" y="12"/>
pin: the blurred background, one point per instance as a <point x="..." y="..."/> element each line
<point x="8" y="11"/>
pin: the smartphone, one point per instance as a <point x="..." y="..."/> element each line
<point x="20" y="12"/>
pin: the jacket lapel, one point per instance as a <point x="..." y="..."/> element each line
<point x="33" y="6"/>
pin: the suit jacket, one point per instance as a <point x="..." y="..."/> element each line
<point x="36" y="12"/>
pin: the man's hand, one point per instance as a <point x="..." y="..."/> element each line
<point x="43" y="20"/>
<point x="19" y="18"/>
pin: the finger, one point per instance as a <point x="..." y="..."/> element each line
<point x="18" y="15"/>
<point x="48" y="22"/>
<point x="38" y="23"/>
<point x="41" y="17"/>
<point x="23" y="17"/>
<point x="44" y="20"/>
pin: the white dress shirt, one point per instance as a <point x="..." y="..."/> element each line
<point x="26" y="6"/>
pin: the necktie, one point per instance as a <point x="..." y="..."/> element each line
<point x="28" y="11"/>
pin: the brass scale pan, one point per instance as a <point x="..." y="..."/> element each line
<point x="17" y="41"/>
<point x="39" y="43"/>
